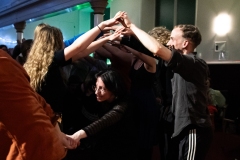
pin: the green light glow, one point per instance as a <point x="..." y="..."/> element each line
<point x="81" y="6"/>
<point x="74" y="8"/>
<point x="67" y="10"/>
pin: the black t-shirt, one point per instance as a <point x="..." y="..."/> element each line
<point x="53" y="89"/>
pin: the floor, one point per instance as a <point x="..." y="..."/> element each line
<point x="225" y="146"/>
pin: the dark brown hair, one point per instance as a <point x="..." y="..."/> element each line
<point x="191" y="32"/>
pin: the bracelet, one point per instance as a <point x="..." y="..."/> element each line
<point x="99" y="28"/>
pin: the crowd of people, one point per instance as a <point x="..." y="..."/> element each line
<point x="57" y="102"/>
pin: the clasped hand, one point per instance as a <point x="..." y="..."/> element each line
<point x="123" y="29"/>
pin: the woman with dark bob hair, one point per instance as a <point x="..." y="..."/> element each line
<point x="113" y="82"/>
<point x="114" y="131"/>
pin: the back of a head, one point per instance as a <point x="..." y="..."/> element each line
<point x="50" y="38"/>
<point x="38" y="28"/>
<point x="26" y="46"/>
<point x="48" y="41"/>
<point x="16" y="51"/>
<point x="4" y="47"/>
<point x="161" y="34"/>
<point x="90" y="80"/>
<point x="191" y="32"/>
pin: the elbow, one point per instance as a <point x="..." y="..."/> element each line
<point x="156" y="51"/>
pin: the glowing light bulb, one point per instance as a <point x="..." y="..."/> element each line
<point x="222" y="24"/>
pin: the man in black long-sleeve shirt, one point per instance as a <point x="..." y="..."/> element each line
<point x="192" y="126"/>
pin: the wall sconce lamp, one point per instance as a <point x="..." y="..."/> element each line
<point x="222" y="24"/>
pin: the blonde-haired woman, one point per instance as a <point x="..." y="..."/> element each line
<point x="48" y="56"/>
<point x="38" y="28"/>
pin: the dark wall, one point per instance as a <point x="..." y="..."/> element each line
<point x="226" y="78"/>
<point x="186" y="11"/>
<point x="165" y="12"/>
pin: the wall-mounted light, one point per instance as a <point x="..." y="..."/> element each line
<point x="222" y="24"/>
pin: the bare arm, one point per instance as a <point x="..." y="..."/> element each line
<point x="77" y="136"/>
<point x="122" y="55"/>
<point x="103" y="52"/>
<point x="149" y="42"/>
<point x="149" y="62"/>
<point x="94" y="46"/>
<point x="81" y="43"/>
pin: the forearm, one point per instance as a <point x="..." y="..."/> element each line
<point x="80" y="135"/>
<point x="103" y="52"/>
<point x="81" y="43"/>
<point x="87" y="38"/>
<point x="91" y="48"/>
<point x="137" y="45"/>
<point x="150" y="61"/>
<point x="109" y="119"/>
<point x="151" y="44"/>
<point x="131" y="42"/>
<point x="122" y="55"/>
<point x="104" y="122"/>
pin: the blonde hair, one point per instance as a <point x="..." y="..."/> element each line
<point x="38" y="28"/>
<point x="48" y="40"/>
<point x="161" y="34"/>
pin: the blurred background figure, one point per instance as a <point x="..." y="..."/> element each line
<point x="5" y="48"/>
<point x="24" y="51"/>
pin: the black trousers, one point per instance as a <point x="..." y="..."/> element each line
<point x="192" y="144"/>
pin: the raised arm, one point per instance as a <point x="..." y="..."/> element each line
<point x="149" y="62"/>
<point x="115" y="51"/>
<point x="81" y="43"/>
<point x="94" y="46"/>
<point x="148" y="41"/>
<point x="103" y="52"/>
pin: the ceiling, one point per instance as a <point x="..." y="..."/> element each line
<point x="30" y="10"/>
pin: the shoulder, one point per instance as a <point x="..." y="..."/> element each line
<point x="59" y="58"/>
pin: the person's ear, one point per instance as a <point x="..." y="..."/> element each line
<point x="185" y="43"/>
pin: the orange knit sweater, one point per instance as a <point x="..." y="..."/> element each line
<point x="26" y="131"/>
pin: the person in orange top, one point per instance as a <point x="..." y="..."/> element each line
<point x="28" y="127"/>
